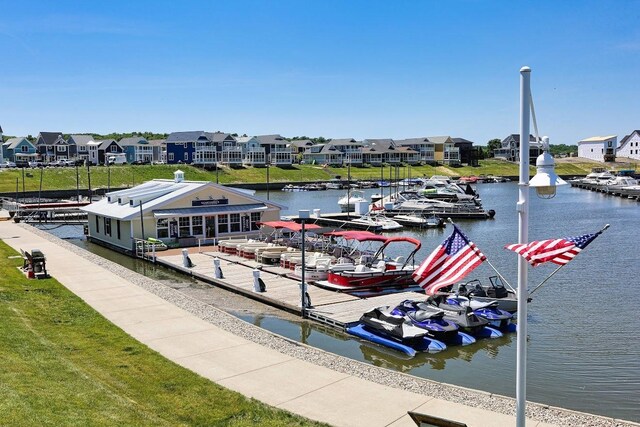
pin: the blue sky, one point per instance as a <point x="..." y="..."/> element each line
<point x="362" y="69"/>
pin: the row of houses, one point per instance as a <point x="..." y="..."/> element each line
<point x="50" y="147"/>
<point x="211" y="148"/>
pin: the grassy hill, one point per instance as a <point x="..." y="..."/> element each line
<point x="127" y="175"/>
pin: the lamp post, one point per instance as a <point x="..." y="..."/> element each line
<point x="303" y="215"/>
<point x="545" y="182"/>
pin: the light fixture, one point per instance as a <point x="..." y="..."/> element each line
<point x="546" y="180"/>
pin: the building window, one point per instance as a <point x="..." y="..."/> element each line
<point x="223" y="223"/>
<point x="234" y="220"/>
<point x="97" y="224"/>
<point x="107" y="226"/>
<point x="183" y="225"/>
<point x="186" y="156"/>
<point x="255" y="218"/>
<point x="61" y="148"/>
<point x="196" y="225"/>
<point x="162" y="228"/>
<point x="171" y="157"/>
<point x="24" y="149"/>
<point x="114" y="148"/>
<point x="118" y="228"/>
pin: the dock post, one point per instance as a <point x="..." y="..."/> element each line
<point x="258" y="284"/>
<point x="217" y="272"/>
<point x="185" y="258"/>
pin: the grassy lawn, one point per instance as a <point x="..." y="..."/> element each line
<point x="64" y="364"/>
<point x="127" y="175"/>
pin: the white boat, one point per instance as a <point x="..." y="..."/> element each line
<point x="414" y="220"/>
<point x="381" y="221"/>
<point x="348" y="202"/>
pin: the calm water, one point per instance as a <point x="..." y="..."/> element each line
<point x="583" y="349"/>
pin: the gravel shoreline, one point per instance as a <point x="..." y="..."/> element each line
<point x="227" y="322"/>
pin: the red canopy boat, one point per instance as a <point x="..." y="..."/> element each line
<point x="375" y="271"/>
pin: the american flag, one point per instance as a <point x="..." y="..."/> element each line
<point x="448" y="263"/>
<point x="557" y="251"/>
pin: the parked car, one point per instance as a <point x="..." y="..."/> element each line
<point x="141" y="162"/>
<point x="22" y="164"/>
<point x="7" y="164"/>
<point x="36" y="164"/>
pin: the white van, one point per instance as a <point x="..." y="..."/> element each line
<point x="117" y="159"/>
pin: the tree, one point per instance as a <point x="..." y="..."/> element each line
<point x="493" y="144"/>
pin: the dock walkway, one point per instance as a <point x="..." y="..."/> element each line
<point x="287" y="380"/>
<point x="337" y="309"/>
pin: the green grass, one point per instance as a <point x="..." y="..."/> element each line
<point x="63" y="364"/>
<point x="127" y="176"/>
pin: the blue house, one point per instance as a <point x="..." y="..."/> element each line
<point x="181" y="146"/>
<point x="19" y="149"/>
<point x="138" y="149"/>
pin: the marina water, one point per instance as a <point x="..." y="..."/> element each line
<point x="583" y="347"/>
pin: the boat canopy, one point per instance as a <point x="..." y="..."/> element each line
<point x="411" y="240"/>
<point x="289" y="225"/>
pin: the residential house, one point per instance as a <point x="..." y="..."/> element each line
<point x="599" y="148"/>
<point x="630" y="146"/>
<point x="253" y="153"/>
<point x="323" y="154"/>
<point x="229" y="152"/>
<point x="181" y="148"/>
<point x="176" y="211"/>
<point x="18" y="150"/>
<point x="277" y="150"/>
<point x="99" y="150"/>
<point x="350" y="148"/>
<point x="80" y="143"/>
<point x="468" y="154"/>
<point x="379" y="151"/>
<point x="425" y="148"/>
<point x="510" y="149"/>
<point x="51" y="146"/>
<point x="445" y="151"/>
<point x="298" y="147"/>
<point x="159" y="147"/>
<point x="138" y="149"/>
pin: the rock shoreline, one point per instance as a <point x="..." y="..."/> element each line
<point x="227" y="322"/>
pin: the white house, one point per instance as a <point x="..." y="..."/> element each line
<point x="630" y="146"/>
<point x="599" y="148"/>
<point x="177" y="212"/>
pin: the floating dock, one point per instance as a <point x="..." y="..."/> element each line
<point x="633" y="194"/>
<point x="336" y="309"/>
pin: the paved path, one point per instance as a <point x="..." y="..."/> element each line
<point x="257" y="371"/>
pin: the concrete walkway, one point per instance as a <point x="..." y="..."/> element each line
<point x="277" y="379"/>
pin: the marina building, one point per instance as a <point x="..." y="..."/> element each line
<point x="599" y="148"/>
<point x="18" y="149"/>
<point x="177" y="211"/>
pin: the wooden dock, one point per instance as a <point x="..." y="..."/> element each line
<point x="336" y="309"/>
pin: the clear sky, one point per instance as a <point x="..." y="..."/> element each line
<point x="361" y="69"/>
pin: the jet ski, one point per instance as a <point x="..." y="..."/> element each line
<point x="468" y="321"/>
<point x="380" y="326"/>
<point x="497" y="317"/>
<point x="432" y="319"/>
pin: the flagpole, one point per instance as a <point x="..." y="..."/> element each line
<point x="559" y="267"/>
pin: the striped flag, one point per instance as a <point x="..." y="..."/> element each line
<point x="557" y="251"/>
<point x="448" y="263"/>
